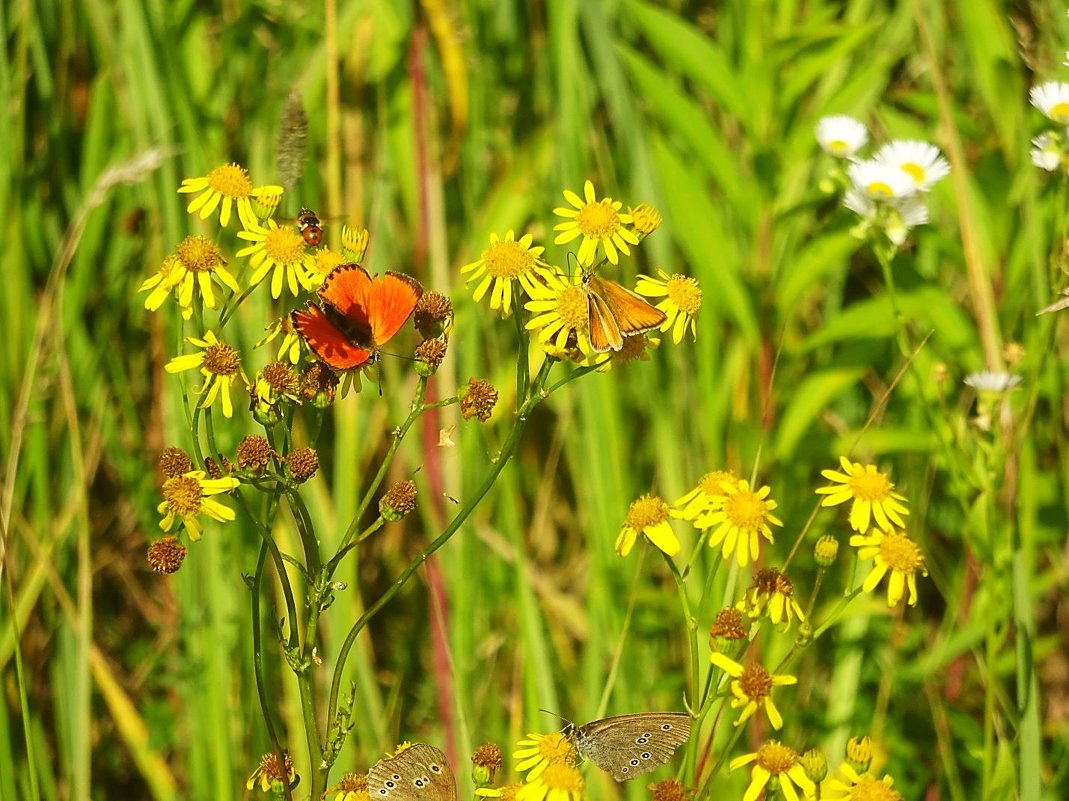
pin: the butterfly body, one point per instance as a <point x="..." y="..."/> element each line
<point x="310" y="228"/>
<point x="630" y="745"/>
<point x="615" y="312"/>
<point x="357" y="314"/>
<point x="418" y="773"/>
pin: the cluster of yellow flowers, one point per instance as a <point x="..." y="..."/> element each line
<point x="581" y="315"/>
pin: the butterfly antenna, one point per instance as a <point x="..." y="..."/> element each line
<point x="554" y="714"/>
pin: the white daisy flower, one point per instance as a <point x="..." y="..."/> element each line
<point x="1047" y="151"/>
<point x="1052" y="98"/>
<point x="989" y="381"/>
<point x="880" y="181"/>
<point x="921" y="161"/>
<point x="841" y="136"/>
<point x="898" y="216"/>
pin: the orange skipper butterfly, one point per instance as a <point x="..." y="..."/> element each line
<point x="615" y="312"/>
<point x="357" y="315"/>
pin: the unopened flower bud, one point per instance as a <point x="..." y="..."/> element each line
<point x="730" y="625"/>
<point x="815" y="765"/>
<point x="859" y="753"/>
<point x="825" y="551"/>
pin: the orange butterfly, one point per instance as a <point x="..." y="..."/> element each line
<point x="615" y="312"/>
<point x="358" y="315"/>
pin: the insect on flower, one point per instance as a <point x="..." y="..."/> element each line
<point x="357" y="315"/>
<point x="310" y="228"/>
<point x="616" y="312"/>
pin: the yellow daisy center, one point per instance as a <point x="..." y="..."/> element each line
<point x="556" y="749"/>
<point x="572" y="308"/>
<point x="901" y="553"/>
<point x="776" y="758"/>
<point x="508" y="259"/>
<point x="755" y="682"/>
<point x="284" y="245"/>
<point x="838" y="146"/>
<point x="745" y="511"/>
<point x="1059" y="112"/>
<point x="326" y="260"/>
<point x="183" y="495"/>
<point x="710" y="483"/>
<point x="562" y="778"/>
<point x="914" y="171"/>
<point x="230" y="180"/>
<point x="869" y="789"/>
<point x="634" y="347"/>
<point x="684" y="292"/>
<point x="866" y="486"/>
<point x="199" y="254"/>
<point x="220" y="359"/>
<point x="647" y="511"/>
<point x="598" y="220"/>
<point x="880" y="190"/>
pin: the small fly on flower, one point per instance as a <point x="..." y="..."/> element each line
<point x="309" y="226"/>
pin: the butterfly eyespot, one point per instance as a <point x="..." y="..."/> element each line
<point x="642" y="740"/>
<point x="419" y="782"/>
<point x="397" y="777"/>
<point x="666" y="727"/>
<point x="645" y="754"/>
<point x="390" y="784"/>
<point x="634" y="761"/>
<point x="384" y="791"/>
<point x="436" y="769"/>
<point x="624" y="770"/>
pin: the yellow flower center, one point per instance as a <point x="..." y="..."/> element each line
<point x="182" y="494"/>
<point x="776" y="758"/>
<point x="230" y="180"/>
<point x="710" y="483"/>
<point x="634" y="347"/>
<point x="914" y="171"/>
<point x="562" y="778"/>
<point x="869" y="789"/>
<point x="1059" y="112"/>
<point x="199" y="254"/>
<point x="755" y="682"/>
<point x="326" y="260"/>
<point x="866" y="486"/>
<point x="598" y="220"/>
<point x="684" y="292"/>
<point x="284" y="246"/>
<point x="745" y="511"/>
<point x="508" y="259"/>
<point x="879" y="189"/>
<point x="572" y="308"/>
<point x="647" y="511"/>
<point x="901" y="553"/>
<point x="221" y="359"/>
<point x="556" y="749"/>
<point x="838" y="146"/>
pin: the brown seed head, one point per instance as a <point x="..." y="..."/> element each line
<point x="670" y="790"/>
<point x="254" y="453"/>
<point x="430" y="353"/>
<point x="478" y="398"/>
<point x="318" y="384"/>
<point x="485" y="761"/>
<point x="730" y="624"/>
<point x="282" y="378"/>
<point x="770" y="581"/>
<point x="432" y="310"/>
<point x="211" y="467"/>
<point x="399" y="500"/>
<point x="165" y="555"/>
<point x="174" y="462"/>
<point x="222" y="360"/>
<point x="302" y="464"/>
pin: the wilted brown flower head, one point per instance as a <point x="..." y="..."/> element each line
<point x="430" y="353"/>
<point x="166" y="554"/>
<point x="318" y="384"/>
<point x="282" y="378"/>
<point x="486" y="761"/>
<point x="254" y="453"/>
<point x="302" y="464"/>
<point x="730" y="624"/>
<point x="399" y="500"/>
<point x="478" y="399"/>
<point x="174" y="462"/>
<point x="670" y="790"/>
<point x="432" y="313"/>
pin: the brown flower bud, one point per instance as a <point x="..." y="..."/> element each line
<point x="486" y="761"/>
<point x="254" y="453"/>
<point x="429" y="355"/>
<point x="302" y="464"/>
<point x="166" y="554"/>
<point x="432" y="314"/>
<point x="730" y="624"/>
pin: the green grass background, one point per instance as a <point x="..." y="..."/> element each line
<point x="134" y="685"/>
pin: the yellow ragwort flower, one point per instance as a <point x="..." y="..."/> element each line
<point x="772" y="592"/>
<point x="504" y="261"/>
<point x="322" y="263"/>
<point x="280" y="251"/>
<point x="860" y="787"/>
<point x="539" y="751"/>
<point x="648" y="516"/>
<point x="599" y="222"/>
<point x="161" y="284"/>
<point x="290" y="346"/>
<point x="270" y="772"/>
<point x="506" y="792"/>
<point x="895" y="552"/>
<point x="558" y="782"/>
<point x="682" y="300"/>
<point x="773" y="760"/>
<point x="187" y="496"/>
<point x="559" y="306"/>
<point x="710" y="494"/>
<point x="220" y="365"/>
<point x="225" y="187"/>
<point x="743" y="516"/>
<point x="752" y="687"/>
<point x="872" y="492"/>
<point x="196" y="264"/>
<point x="351" y="787"/>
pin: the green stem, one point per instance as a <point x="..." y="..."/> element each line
<point x="227" y="313"/>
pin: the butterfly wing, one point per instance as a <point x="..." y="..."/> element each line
<point x="602" y="328"/>
<point x="350" y="292"/>
<point x="630" y="745"/>
<point x="419" y="773"/>
<point x="332" y="345"/>
<point x="632" y="312"/>
<point x="392" y="299"/>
